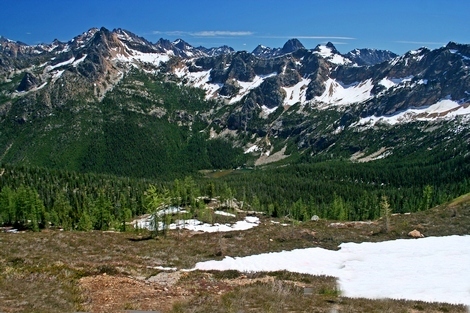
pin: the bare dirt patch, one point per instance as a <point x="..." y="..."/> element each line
<point x="265" y="159"/>
<point x="106" y="293"/>
<point x="361" y="157"/>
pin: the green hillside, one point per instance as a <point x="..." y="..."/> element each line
<point x="154" y="131"/>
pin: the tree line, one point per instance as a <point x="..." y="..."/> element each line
<point x="35" y="198"/>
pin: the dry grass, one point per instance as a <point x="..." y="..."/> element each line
<point x="55" y="271"/>
<point x="286" y="292"/>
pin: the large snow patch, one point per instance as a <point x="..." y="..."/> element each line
<point x="443" y="109"/>
<point x="434" y="269"/>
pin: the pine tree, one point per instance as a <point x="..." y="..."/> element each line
<point x="7" y="206"/>
<point x="85" y="222"/>
<point x="155" y="202"/>
<point x="427" y="198"/>
<point x="385" y="213"/>
<point x="61" y="211"/>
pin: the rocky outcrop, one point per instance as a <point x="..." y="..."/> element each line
<point x="268" y="94"/>
<point x="369" y="57"/>
<point x="290" y="46"/>
<point x="216" y="51"/>
<point x="28" y="82"/>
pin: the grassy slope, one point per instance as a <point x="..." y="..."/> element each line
<point x="56" y="271"/>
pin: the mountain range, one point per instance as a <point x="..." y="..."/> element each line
<point x="105" y="98"/>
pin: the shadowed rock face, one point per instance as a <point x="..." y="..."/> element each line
<point x="28" y="82"/>
<point x="292" y="45"/>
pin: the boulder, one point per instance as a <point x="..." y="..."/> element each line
<point x="415" y="234"/>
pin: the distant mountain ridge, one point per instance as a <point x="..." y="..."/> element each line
<point x="292" y="97"/>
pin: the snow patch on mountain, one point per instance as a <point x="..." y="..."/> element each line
<point x="392" y="82"/>
<point x="200" y="80"/>
<point x="135" y="56"/>
<point x="51" y="67"/>
<point x="413" y="55"/>
<point x="336" y="93"/>
<point x="296" y="93"/>
<point x="444" y="109"/>
<point x="57" y="74"/>
<point x="453" y="51"/>
<point x="324" y="51"/>
<point x="265" y="111"/>
<point x="123" y="35"/>
<point x="247" y="86"/>
<point x="76" y="62"/>
<point x="251" y="149"/>
<point x="327" y="53"/>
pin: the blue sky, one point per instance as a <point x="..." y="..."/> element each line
<point x="399" y="25"/>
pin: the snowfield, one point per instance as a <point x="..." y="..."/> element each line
<point x="328" y="54"/>
<point x="137" y="56"/>
<point x="336" y="93"/>
<point x="444" y="109"/>
<point x="433" y="269"/>
<point x="297" y="93"/>
<point x="196" y="225"/>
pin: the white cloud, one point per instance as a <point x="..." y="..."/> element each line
<point x="217" y="33"/>
<point x="325" y="37"/>
<point x="205" y="33"/>
<point x="170" y="33"/>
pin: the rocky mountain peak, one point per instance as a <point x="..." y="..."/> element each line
<point x="328" y="48"/>
<point x="56" y="42"/>
<point x="259" y="49"/>
<point x="367" y="57"/>
<point x="459" y="48"/>
<point x="182" y="45"/>
<point x="292" y="45"/>
<point x="164" y="44"/>
<point x="4" y="39"/>
<point x="216" y="51"/>
<point x="332" y="47"/>
<point x="262" y="51"/>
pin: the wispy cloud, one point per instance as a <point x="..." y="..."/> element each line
<point x="340" y="43"/>
<point x="226" y="33"/>
<point x="420" y="42"/>
<point x="219" y="33"/>
<point x="205" y="33"/>
<point x="170" y="33"/>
